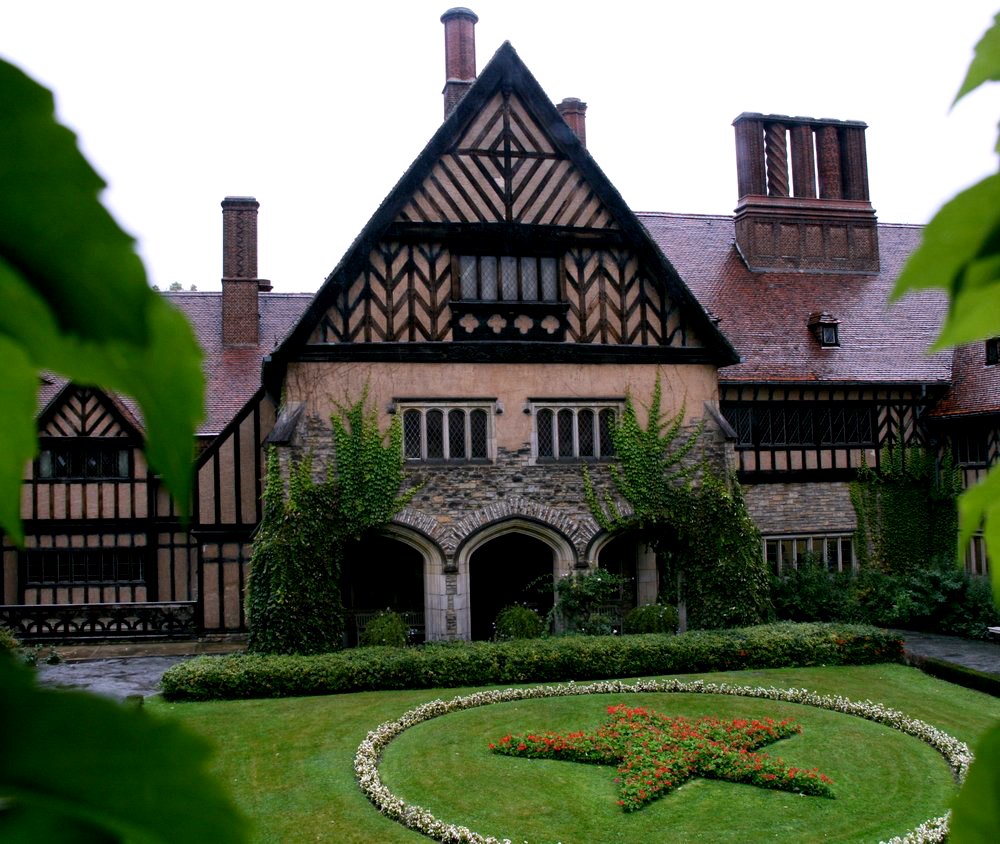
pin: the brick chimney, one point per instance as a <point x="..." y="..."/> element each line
<point x="459" y="54"/>
<point x="240" y="285"/>
<point x="804" y="203"/>
<point x="574" y="112"/>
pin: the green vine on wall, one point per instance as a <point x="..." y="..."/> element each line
<point x="906" y="510"/>
<point x="293" y="596"/>
<point x="708" y="548"/>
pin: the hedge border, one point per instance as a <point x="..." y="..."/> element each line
<point x="443" y="665"/>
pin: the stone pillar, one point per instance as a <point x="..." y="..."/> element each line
<point x="647" y="581"/>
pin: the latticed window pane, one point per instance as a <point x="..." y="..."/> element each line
<point x="508" y="278"/>
<point x="456" y="434"/>
<point x="411" y="434"/>
<point x="565" y="426"/>
<point x="435" y="434"/>
<point x="488" y="278"/>
<point x="585" y="426"/>
<point x="543" y="421"/>
<point x="529" y="279"/>
<point x="469" y="277"/>
<point x="550" y="286"/>
<point x="83" y="565"/>
<point x="607" y="420"/>
<point x="477" y="433"/>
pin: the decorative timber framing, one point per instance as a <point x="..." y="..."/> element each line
<point x="503" y="175"/>
<point x="787" y="433"/>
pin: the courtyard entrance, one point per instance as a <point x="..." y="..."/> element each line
<point x="382" y="573"/>
<point x="511" y="569"/>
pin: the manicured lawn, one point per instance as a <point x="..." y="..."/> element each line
<point x="289" y="764"/>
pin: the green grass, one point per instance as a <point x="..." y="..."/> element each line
<point x="289" y="764"/>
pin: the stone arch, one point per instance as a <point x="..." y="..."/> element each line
<point x="415" y="590"/>
<point x="561" y="561"/>
<point x="575" y="528"/>
<point x="435" y="578"/>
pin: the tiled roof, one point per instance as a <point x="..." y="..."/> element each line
<point x="975" y="386"/>
<point x="232" y="375"/>
<point x="765" y="315"/>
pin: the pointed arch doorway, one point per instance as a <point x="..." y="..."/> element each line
<point x="513" y="568"/>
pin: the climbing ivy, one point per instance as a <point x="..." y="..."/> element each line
<point x="906" y="511"/>
<point x="708" y="547"/>
<point x="293" y="595"/>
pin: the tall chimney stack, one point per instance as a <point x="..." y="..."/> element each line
<point x="803" y="195"/>
<point x="240" y="285"/>
<point x="574" y="112"/>
<point x="459" y="54"/>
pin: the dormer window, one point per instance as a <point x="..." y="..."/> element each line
<point x="825" y="328"/>
<point x="993" y="351"/>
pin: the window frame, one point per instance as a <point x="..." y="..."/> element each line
<point x="446" y="407"/>
<point x="77" y="450"/>
<point x="992" y="351"/>
<point x="498" y="259"/>
<point x="598" y="407"/>
<point x="774" y="547"/>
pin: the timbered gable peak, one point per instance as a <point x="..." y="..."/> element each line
<point x="87" y="412"/>
<point x="506" y="167"/>
<point x="504" y="231"/>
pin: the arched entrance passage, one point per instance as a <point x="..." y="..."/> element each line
<point x="380" y="573"/>
<point x="510" y="569"/>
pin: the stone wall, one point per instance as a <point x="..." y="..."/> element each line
<point x="803" y="508"/>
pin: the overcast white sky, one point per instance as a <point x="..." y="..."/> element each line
<point x="317" y="108"/>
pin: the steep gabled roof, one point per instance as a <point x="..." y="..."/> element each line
<point x="766" y="314"/>
<point x="506" y="73"/>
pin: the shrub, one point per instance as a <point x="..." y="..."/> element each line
<point x="9" y="644"/>
<point x="651" y="618"/>
<point x="811" y="593"/>
<point x="444" y="664"/>
<point x="387" y="628"/>
<point x="518" y="622"/>
<point x="581" y="598"/>
<point x="936" y="598"/>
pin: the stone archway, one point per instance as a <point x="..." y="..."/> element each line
<point x="515" y="561"/>
<point x="385" y="572"/>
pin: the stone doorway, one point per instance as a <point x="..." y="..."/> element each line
<point x="510" y="569"/>
<point x="383" y="573"/>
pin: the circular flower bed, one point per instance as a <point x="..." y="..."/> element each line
<point x="956" y="753"/>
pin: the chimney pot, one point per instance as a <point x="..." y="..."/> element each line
<point x="459" y="54"/>
<point x="574" y="112"/>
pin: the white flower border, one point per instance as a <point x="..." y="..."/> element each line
<point x="956" y="753"/>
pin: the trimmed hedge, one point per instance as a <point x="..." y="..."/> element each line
<point x="449" y="664"/>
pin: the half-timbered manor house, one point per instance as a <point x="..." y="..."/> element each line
<point x="502" y="302"/>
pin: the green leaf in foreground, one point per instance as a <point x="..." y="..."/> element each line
<point x="985" y="66"/>
<point x="976" y="818"/>
<point x="18" y="395"/>
<point x="82" y="768"/>
<point x="53" y="228"/>
<point x="979" y="507"/>
<point x="74" y="298"/>
<point x="959" y="254"/>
